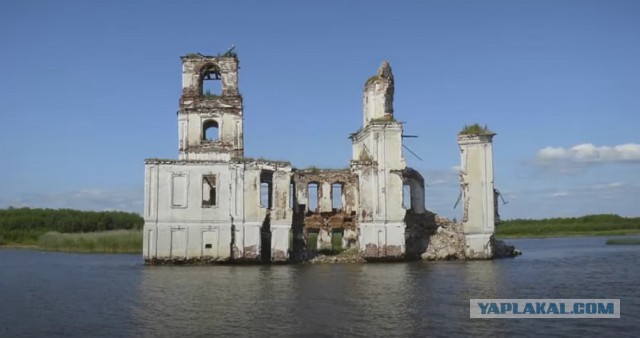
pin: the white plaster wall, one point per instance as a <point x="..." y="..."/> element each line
<point x="280" y="239"/>
<point x="204" y="156"/>
<point x="393" y="192"/>
<point x="192" y="211"/>
<point x="189" y="224"/>
<point x="381" y="235"/>
<point x="229" y="75"/>
<point x="253" y="211"/>
<point x="324" y="239"/>
<point x="477" y="167"/>
<point x="230" y="126"/>
<point x="374" y="102"/>
<point x="186" y="240"/>
<point x="324" y="203"/>
<point x="250" y="238"/>
<point x="477" y="180"/>
<point x="281" y="196"/>
<point x="188" y="77"/>
<point x="366" y="193"/>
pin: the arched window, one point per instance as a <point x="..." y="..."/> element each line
<point x="210" y="81"/>
<point x="210" y="130"/>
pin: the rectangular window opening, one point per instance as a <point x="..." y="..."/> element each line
<point x="266" y="189"/>
<point x="336" y="196"/>
<point x="208" y="191"/>
<point x="406" y="196"/>
<point x="312" y="190"/>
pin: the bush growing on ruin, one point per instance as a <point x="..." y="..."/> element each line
<point x="475" y="129"/>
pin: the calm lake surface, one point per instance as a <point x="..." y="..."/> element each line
<point x="93" y="295"/>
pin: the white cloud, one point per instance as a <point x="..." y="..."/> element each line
<point x="559" y="194"/>
<point x="608" y="186"/>
<point x="589" y="153"/>
<point x="86" y="199"/>
<point x="442" y="177"/>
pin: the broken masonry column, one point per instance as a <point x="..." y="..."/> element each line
<point x="282" y="215"/>
<point x="476" y="182"/>
<point x="324" y="240"/>
<point x="377" y="158"/>
<point x="377" y="100"/>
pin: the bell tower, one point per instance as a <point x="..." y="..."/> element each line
<point x="210" y="122"/>
<point x="378" y="161"/>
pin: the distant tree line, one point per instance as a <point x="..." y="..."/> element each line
<point x="591" y="224"/>
<point x="25" y="225"/>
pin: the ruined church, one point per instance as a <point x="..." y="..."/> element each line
<point x="213" y="204"/>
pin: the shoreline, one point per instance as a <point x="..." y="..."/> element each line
<point x="577" y="234"/>
<point x="621" y="233"/>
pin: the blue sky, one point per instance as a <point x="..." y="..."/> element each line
<point x="89" y="89"/>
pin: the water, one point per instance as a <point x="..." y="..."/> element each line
<point x="91" y="295"/>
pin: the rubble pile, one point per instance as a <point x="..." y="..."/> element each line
<point x="447" y="242"/>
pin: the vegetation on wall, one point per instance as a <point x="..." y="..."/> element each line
<point x="475" y="129"/>
<point x="386" y="118"/>
<point x="373" y="78"/>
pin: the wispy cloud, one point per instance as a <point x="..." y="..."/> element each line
<point x="85" y="199"/>
<point x="559" y="194"/>
<point x="588" y="153"/>
<point x="442" y="177"/>
<point x="608" y="186"/>
<point x="580" y="198"/>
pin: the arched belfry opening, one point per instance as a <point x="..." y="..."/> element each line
<point x="210" y="130"/>
<point x="210" y="81"/>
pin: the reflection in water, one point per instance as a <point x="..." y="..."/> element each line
<point x="46" y="294"/>
<point x="221" y="299"/>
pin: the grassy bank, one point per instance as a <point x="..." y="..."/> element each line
<point x="24" y="226"/>
<point x="115" y="241"/>
<point x="592" y="225"/>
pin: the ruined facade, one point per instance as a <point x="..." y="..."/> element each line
<point x="478" y="193"/>
<point x="213" y="204"/>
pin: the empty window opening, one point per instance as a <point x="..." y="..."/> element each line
<point x="211" y="82"/>
<point x="336" y="241"/>
<point x="266" y="189"/>
<point x="406" y="196"/>
<point x="312" y="191"/>
<point x="336" y="196"/>
<point x="265" y="195"/>
<point x="208" y="190"/>
<point x="210" y="130"/>
<point x="312" y="240"/>
<point x="207" y="246"/>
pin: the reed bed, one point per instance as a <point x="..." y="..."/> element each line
<point x="115" y="241"/>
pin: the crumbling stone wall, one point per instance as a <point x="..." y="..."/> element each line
<point x="197" y="109"/>
<point x="326" y="219"/>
